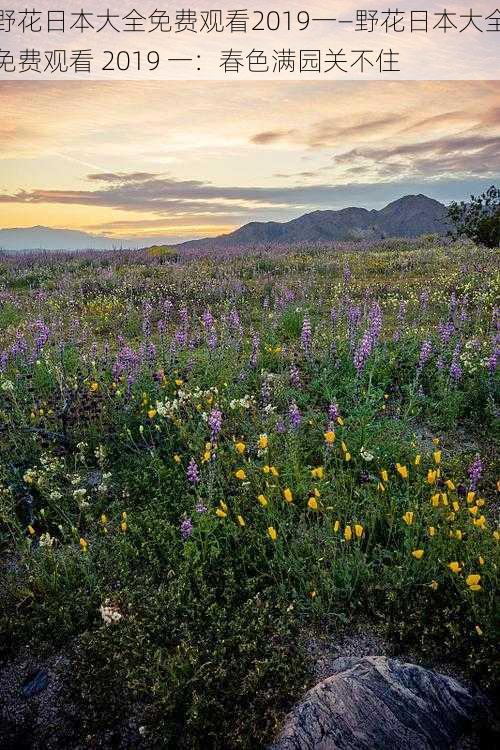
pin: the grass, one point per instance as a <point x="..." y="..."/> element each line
<point x="180" y="452"/>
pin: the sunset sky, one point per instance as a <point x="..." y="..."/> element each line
<point x="176" y="160"/>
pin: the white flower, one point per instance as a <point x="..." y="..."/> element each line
<point x="110" y="613"/>
<point x="46" y="540"/>
<point x="366" y="454"/>
<point x="8" y="386"/>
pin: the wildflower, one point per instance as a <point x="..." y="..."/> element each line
<point x="193" y="473"/>
<point x="358" y="530"/>
<point x="347" y="456"/>
<point x="480" y="560"/>
<point x="94" y="387"/>
<point x="329" y="437"/>
<point x="31" y="530"/>
<point x="455" y="567"/>
<point x="262" y="500"/>
<point x="496" y="535"/>
<point x="432" y="531"/>
<point x="104" y="519"/>
<point x="288" y="495"/>
<point x="455" y="506"/>
<point x="458" y="535"/>
<point x="312" y="594"/>
<point x="318" y="472"/>
<point x="434" y="585"/>
<point x="479" y="522"/>
<point x="152" y="413"/>
<point x="240" y="447"/>
<point x="240" y="520"/>
<point x="272" y="533"/>
<point x="295" y="416"/>
<point x="110" y="613"/>
<point x="312" y="503"/>
<point x="384" y="475"/>
<point x="437" y="457"/>
<point x="215" y="423"/>
<point x="450" y="485"/>
<point x="336" y="526"/>
<point x="408" y="517"/>
<point x="340" y="421"/>
<point x="366" y="455"/>
<point x="177" y="458"/>
<point x="240" y="474"/>
<point x="418" y="459"/>
<point x="348" y="533"/>
<point x="431" y="476"/>
<point x="470" y="496"/>
<point x="274" y="471"/>
<point x="306" y="336"/>
<point x="402" y="471"/>
<point x="266" y="469"/>
<point x="263" y="442"/>
<point x="220" y="513"/>
<point x="380" y="487"/>
<point x="472" y="582"/>
<point x="418" y="554"/>
<point x="186" y="529"/>
<point x="84" y="545"/>
<point x="478" y="630"/>
<point x="475" y="471"/>
<point x="123" y="526"/>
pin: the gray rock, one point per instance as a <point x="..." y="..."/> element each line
<point x="377" y="703"/>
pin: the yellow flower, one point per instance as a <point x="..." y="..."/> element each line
<point x="481" y="560"/>
<point x="274" y="471"/>
<point x="432" y="531"/>
<point x="152" y="413"/>
<point x="312" y="503"/>
<point x="318" y="472"/>
<point x="479" y="522"/>
<point x="380" y="487"/>
<point x="418" y="459"/>
<point x="336" y="526"/>
<point x="472" y="582"/>
<point x="84" y="545"/>
<point x="402" y="471"/>
<point x="240" y="474"/>
<point x="437" y="457"/>
<point x="384" y="475"/>
<point x="444" y="498"/>
<point x="94" y="387"/>
<point x="31" y="530"/>
<point x="358" y="530"/>
<point x="348" y="533"/>
<point x="435" y="441"/>
<point x="435" y="500"/>
<point x="221" y="513"/>
<point x="431" y="476"/>
<point x="240" y="520"/>
<point x="455" y="505"/>
<point x="340" y="421"/>
<point x="288" y="495"/>
<point x="450" y="485"/>
<point x="347" y="456"/>
<point x="263" y="442"/>
<point x="434" y="585"/>
<point x="272" y="533"/>
<point x="223" y="506"/>
<point x="123" y="526"/>
<point x="470" y="496"/>
<point x="496" y="535"/>
<point x="240" y="447"/>
<point x="418" y="554"/>
<point x="343" y="446"/>
<point x="124" y="515"/>
<point x="312" y="594"/>
<point x="329" y="437"/>
<point x="262" y="500"/>
<point x="480" y="502"/>
<point x="458" y="535"/>
<point x="206" y="457"/>
<point x="408" y="517"/>
<point x="455" y="567"/>
<point x="104" y="519"/>
<point x="178" y="382"/>
<point x="478" y="630"/>
<point x="266" y="469"/>
<point x="177" y="458"/>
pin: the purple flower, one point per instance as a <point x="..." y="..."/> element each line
<point x="475" y="471"/>
<point x="455" y="367"/>
<point x="294" y="416"/>
<point x="200" y="508"/>
<point x="425" y="354"/>
<point x="193" y="473"/>
<point x="306" y="336"/>
<point x="295" y="376"/>
<point x="215" y="423"/>
<point x="186" y="529"/>
<point x="333" y="411"/>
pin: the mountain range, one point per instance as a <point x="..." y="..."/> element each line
<point x="410" y="216"/>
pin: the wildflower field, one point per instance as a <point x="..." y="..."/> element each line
<point x="205" y="458"/>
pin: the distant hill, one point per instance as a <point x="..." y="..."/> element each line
<point x="410" y="216"/>
<point x="44" y="238"/>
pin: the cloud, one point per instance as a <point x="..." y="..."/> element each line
<point x="270" y="136"/>
<point x="122" y="176"/>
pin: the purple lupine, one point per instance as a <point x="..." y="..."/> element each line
<point x="294" y="416"/>
<point x="455" y="366"/>
<point x="280" y="427"/>
<point x="425" y="354"/>
<point x="255" y="350"/>
<point x="200" y="508"/>
<point x="333" y="411"/>
<point x="363" y="351"/>
<point x="306" y="336"/>
<point x="193" y="473"/>
<point x="147" y="309"/>
<point x="401" y="319"/>
<point x="346" y="276"/>
<point x="424" y="301"/>
<point x="295" y="376"/>
<point x="446" y="331"/>
<point x="215" y="423"/>
<point x="475" y="471"/>
<point x="186" y="529"/>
